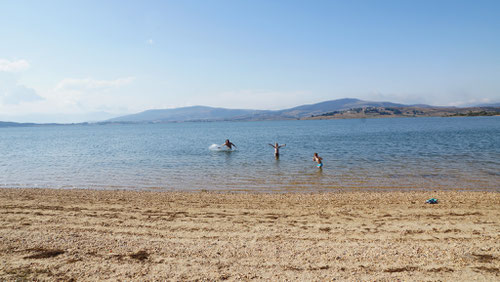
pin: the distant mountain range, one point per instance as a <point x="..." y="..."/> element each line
<point x="195" y="113"/>
<point x="202" y="113"/>
<point x="334" y="109"/>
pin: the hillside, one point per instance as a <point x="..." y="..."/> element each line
<point x="202" y="113"/>
<point x="383" y="112"/>
<point x="333" y="105"/>
<point x="195" y="113"/>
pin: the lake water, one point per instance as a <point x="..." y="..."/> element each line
<point x="398" y="153"/>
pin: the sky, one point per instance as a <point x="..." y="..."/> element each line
<point x="74" y="61"/>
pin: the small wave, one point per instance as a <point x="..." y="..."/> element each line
<point x="219" y="148"/>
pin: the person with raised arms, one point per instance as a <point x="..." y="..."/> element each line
<point x="277" y="149"/>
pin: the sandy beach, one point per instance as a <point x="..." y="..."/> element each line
<point x="124" y="235"/>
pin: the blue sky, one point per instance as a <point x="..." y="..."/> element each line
<point x="68" y="61"/>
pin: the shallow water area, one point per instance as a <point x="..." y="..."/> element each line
<point x="402" y="153"/>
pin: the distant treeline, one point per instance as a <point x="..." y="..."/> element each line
<point x="477" y="114"/>
<point x="409" y="112"/>
<point x="382" y="111"/>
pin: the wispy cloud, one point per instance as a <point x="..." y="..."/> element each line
<point x="13" y="66"/>
<point x="79" y="98"/>
<point x="88" y="83"/>
<point x="13" y="92"/>
<point x="255" y="99"/>
<point x="87" y="94"/>
<point x="150" y="41"/>
<point x="17" y="94"/>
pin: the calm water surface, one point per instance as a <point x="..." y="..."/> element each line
<point x="407" y="153"/>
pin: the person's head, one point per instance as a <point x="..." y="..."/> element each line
<point x="227" y="140"/>
<point x="276" y="144"/>
<point x="315" y="154"/>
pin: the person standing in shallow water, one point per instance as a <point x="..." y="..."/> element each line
<point x="228" y="144"/>
<point x="318" y="159"/>
<point x="277" y="149"/>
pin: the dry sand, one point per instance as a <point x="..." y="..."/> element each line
<point x="119" y="235"/>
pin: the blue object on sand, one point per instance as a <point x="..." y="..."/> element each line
<point x="432" y="201"/>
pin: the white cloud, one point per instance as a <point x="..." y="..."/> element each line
<point x="70" y="100"/>
<point x="81" y="95"/>
<point x="150" y="41"/>
<point x="19" y="94"/>
<point x="13" y="66"/>
<point x="89" y="84"/>
<point x="13" y="93"/>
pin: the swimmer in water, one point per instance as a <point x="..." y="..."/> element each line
<point x="277" y="149"/>
<point x="228" y="144"/>
<point x="318" y="159"/>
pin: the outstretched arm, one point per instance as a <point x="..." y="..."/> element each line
<point x="272" y="145"/>
<point x="282" y="145"/>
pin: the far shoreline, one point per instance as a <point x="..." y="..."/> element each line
<point x="250" y="192"/>
<point x="9" y="124"/>
<point x="298" y="191"/>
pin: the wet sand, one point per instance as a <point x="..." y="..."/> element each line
<point x="124" y="235"/>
